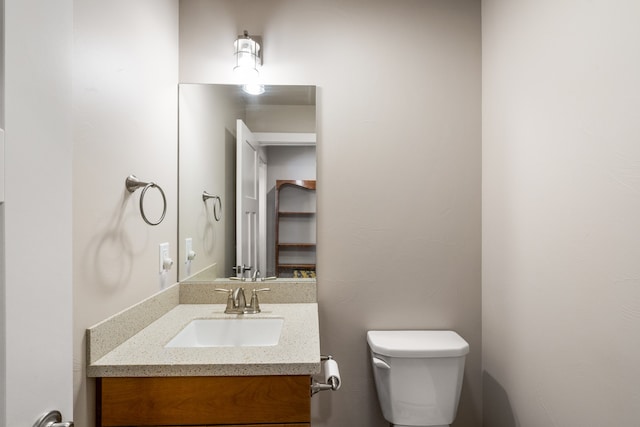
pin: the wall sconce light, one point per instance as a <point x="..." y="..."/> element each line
<point x="248" y="57"/>
<point x="253" y="88"/>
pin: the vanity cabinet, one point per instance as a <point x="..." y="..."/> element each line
<point x="252" y="401"/>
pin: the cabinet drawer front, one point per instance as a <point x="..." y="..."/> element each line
<point x="203" y="400"/>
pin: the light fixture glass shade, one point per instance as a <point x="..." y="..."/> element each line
<point x="247" y="57"/>
<point x="253" y="88"/>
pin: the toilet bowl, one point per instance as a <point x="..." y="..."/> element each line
<point x="418" y="375"/>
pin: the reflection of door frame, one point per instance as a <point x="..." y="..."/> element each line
<point x="291" y="139"/>
<point x="262" y="214"/>
<point x="247" y="197"/>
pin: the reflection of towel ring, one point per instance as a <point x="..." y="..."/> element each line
<point x="217" y="204"/>
<point x="132" y="183"/>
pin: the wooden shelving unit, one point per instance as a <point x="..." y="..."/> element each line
<point x="294" y="255"/>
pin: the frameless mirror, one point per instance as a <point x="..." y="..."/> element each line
<point x="246" y="182"/>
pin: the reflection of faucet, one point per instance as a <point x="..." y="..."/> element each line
<point x="255" y="277"/>
<point x="240" y="270"/>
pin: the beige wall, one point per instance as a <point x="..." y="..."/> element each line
<point x="399" y="172"/>
<point x="208" y="115"/>
<point x="398" y="163"/>
<point x="561" y="294"/>
<point x="125" y="122"/>
<point x="398" y="166"/>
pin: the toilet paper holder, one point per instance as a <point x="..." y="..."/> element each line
<point x="331" y="376"/>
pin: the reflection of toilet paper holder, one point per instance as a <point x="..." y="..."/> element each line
<point x="331" y="376"/>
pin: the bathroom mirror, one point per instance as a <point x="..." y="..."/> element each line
<point x="233" y="145"/>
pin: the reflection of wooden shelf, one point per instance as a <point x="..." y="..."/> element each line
<point x="297" y="266"/>
<point x="301" y="252"/>
<point x="296" y="245"/>
<point x="296" y="213"/>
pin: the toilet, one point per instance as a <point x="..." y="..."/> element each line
<point x="418" y="375"/>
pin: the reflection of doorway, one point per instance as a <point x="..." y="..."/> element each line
<point x="286" y="162"/>
<point x="258" y="168"/>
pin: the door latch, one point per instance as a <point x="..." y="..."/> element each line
<point x="52" y="419"/>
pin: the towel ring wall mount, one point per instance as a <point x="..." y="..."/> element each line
<point x="217" y="204"/>
<point x="133" y="183"/>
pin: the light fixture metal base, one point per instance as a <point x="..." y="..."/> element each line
<point x="257" y="39"/>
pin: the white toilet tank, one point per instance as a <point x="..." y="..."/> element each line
<point x="418" y="375"/>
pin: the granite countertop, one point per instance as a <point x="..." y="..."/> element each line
<point x="144" y="354"/>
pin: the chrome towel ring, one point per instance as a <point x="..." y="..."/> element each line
<point x="217" y="204"/>
<point x="132" y="183"/>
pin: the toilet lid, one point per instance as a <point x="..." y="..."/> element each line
<point x="417" y="343"/>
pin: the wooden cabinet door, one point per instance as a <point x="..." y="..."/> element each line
<point x="265" y="425"/>
<point x="203" y="401"/>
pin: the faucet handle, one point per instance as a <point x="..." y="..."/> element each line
<point x="229" y="297"/>
<point x="254" y="305"/>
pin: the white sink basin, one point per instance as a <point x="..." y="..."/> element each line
<point x="244" y="332"/>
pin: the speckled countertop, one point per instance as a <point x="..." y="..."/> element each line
<point x="114" y="353"/>
<point x="144" y="354"/>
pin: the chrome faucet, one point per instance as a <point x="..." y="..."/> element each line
<point x="254" y="305"/>
<point x="238" y="299"/>
<point x="237" y="302"/>
<point x="256" y="275"/>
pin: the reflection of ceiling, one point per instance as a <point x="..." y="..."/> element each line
<point x="282" y="95"/>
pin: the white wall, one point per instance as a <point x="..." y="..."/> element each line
<point x="398" y="166"/>
<point x="125" y="122"/>
<point x="561" y="294"/>
<point x="3" y="335"/>
<point x="287" y="162"/>
<point x="37" y="211"/>
<point x="281" y="118"/>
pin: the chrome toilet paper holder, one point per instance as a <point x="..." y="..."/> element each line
<point x="331" y="376"/>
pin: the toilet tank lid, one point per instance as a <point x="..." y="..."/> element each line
<point x="417" y="343"/>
